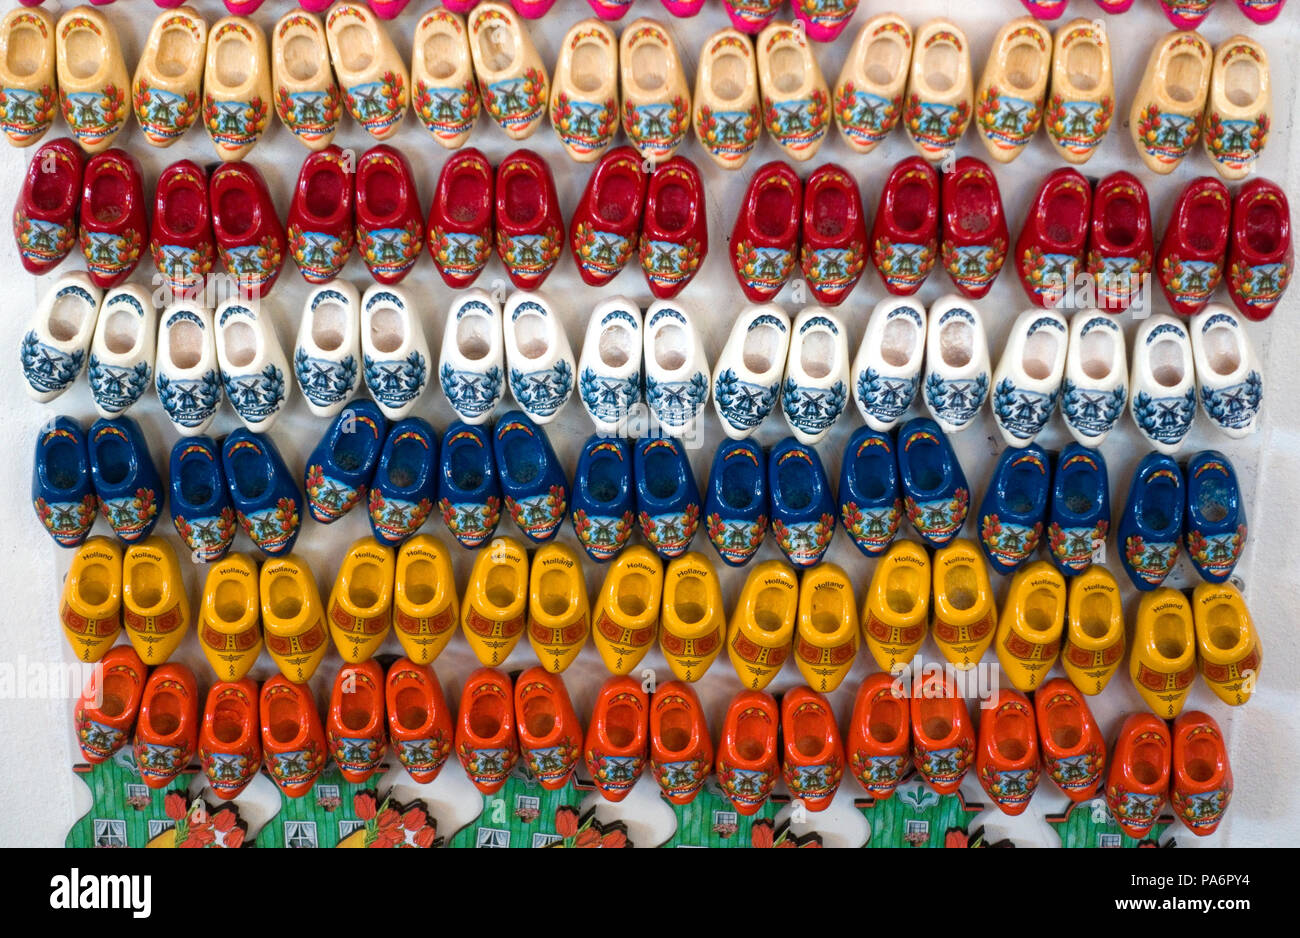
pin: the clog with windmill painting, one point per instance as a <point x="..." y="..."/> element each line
<point x="964" y="614"/>
<point x="107" y="709"/>
<point x="185" y="371"/>
<point x="63" y="492"/>
<point x="114" y="226"/>
<point x="940" y="96"/>
<point x="1187" y="14"/>
<point x="533" y="482"/>
<point x="1073" y="749"/>
<point x="1027" y="380"/>
<point x="936" y="495"/>
<point x="307" y="96"/>
<point x="168" y="78"/>
<point x="155" y="604"/>
<point x="747" y="375"/>
<point x="469" y="492"/>
<point x="625" y="613"/>
<point x="1260" y="255"/>
<point x="812" y="757"/>
<point x="803" y="507"/>
<point x="604" y="228"/>
<point x="896" y="612"/>
<point x="550" y="733"/>
<point x="604" y="496"/>
<point x="511" y="77"/>
<point x="1094" y="637"/>
<point x="692" y="623"/>
<point x="765" y="239"/>
<point x="826" y="628"/>
<point x="199" y="500"/>
<point x="360" y="605"/>
<point x="1031" y="625"/>
<point x="1079" y="514"/>
<point x="394" y="350"/>
<point x="869" y="92"/>
<point x="584" y="90"/>
<point x="389" y="222"/>
<point x="1009" y="99"/>
<point x="90" y="608"/>
<point x="1081" y="99"/>
<point x="676" y="369"/>
<point x="1151" y="529"/>
<point x="180" y="238"/>
<point x="656" y="96"/>
<point x="681" y="749"/>
<point x="1193" y="250"/>
<point x="726" y="115"/>
<point x="321" y="223"/>
<point x="974" y="227"/>
<point x="1121" y="248"/>
<point x="1229" y="653"/>
<point x="1239" y="107"/>
<point x="796" y="101"/>
<point x="250" y="237"/>
<point x="761" y="632"/>
<point x="328" y="348"/>
<point x="45" y="212"/>
<point x="460" y="218"/>
<point x="267" y="501"/>
<point x="293" y="739"/>
<point x="870" y="503"/>
<point x="1137" y="781"/>
<point x="529" y="227"/>
<point x="559" y="618"/>
<point x="609" y="368"/>
<point x="538" y="357"/>
<point x="1165" y="118"/>
<point x="887" y="370"/>
<point x="1262" y="12"/>
<point x="879" y="740"/>
<point x="1051" y="249"/>
<point x="293" y="617"/>
<point x="406" y="481"/>
<point x="253" y="365"/>
<point x="736" y="506"/>
<point x="834" y="251"/>
<point x="167" y="731"/>
<point x="1095" y="387"/>
<point x="815" y="391"/>
<point x="419" y="719"/>
<point x="125" y="478"/>
<point x="443" y="89"/>
<point x="617" y="741"/>
<point x="1162" y="382"/>
<point x="54" y="349"/>
<point x="27" y="64"/>
<point x="748" y="16"/>
<point x="355" y="722"/>
<point x="675" y="233"/>
<point x="229" y="620"/>
<point x="236" y="86"/>
<point x="92" y="77"/>
<point x="1229" y="384"/>
<point x="425" y="606"/>
<point x="122" y="349"/>
<point x="905" y="234"/>
<point x="493" y="611"/>
<point x="487" y="744"/>
<point x="746" y="761"/>
<point x="373" y="77"/>
<point x="1215" y="519"/>
<point x="1200" y="784"/>
<point x="1006" y="755"/>
<point x="667" y="497"/>
<point x="230" y="737"/>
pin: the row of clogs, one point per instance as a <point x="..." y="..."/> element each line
<point x="1185" y="14"/>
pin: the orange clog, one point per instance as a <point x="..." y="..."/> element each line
<point x="681" y="750"/>
<point x="879" y="741"/>
<point x="617" y="737"/>
<point x="943" y="741"/>
<point x="747" y="750"/>
<point x="550" y="735"/>
<point x="486" y="743"/>
<point x="230" y="747"/>
<point x="1074" y="751"/>
<point x="167" y="732"/>
<point x="1006" y="756"/>
<point x="354" y="724"/>
<point x="1139" y="773"/>
<point x="419" y="720"/>
<point x="1201" y="778"/>
<point x="813" y="756"/>
<point x="293" y="740"/>
<point x="108" y="707"/>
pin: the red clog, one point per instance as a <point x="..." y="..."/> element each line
<point x="813" y="757"/>
<point x="1192" y="251"/>
<point x="1187" y="14"/>
<point x="943" y="741"/>
<point x="45" y="215"/>
<point x="765" y="239"/>
<point x="747" y="764"/>
<point x="388" y="9"/>
<point x="1006" y="756"/>
<point x="250" y="237"/>
<point x="675" y="237"/>
<point x="617" y="737"/>
<point x="355" y="723"/>
<point x="107" y="709"/>
<point x="390" y="229"/>
<point x="1260" y="255"/>
<point x="230" y="744"/>
<point x="486" y="743"/>
<point x="604" y="227"/>
<point x="1050" y="249"/>
<point x="293" y="740"/>
<point x="1074" y="751"/>
<point x="532" y="9"/>
<point x="180" y="240"/>
<point x="681" y="750"/>
<point x="419" y="720"/>
<point x="975" y="233"/>
<point x="834" y="235"/>
<point x="550" y="735"/>
<point x="1261" y="11"/>
<point x="1200" y="787"/>
<point x="113" y="225"/>
<point x="905" y="236"/>
<point x="1121" y="245"/>
<point x="460" y="219"/>
<point x="529" y="229"/>
<point x="1139" y="773"/>
<point x="167" y="732"/>
<point x="879" y="737"/>
<point x="320" y="223"/>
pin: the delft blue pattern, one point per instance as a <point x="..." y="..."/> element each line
<point x="1021" y="411"/>
<point x="1234" y="407"/>
<point x="256" y="396"/>
<point x="810" y="409"/>
<point x="324" y="382"/>
<point x="1092" y="413"/>
<point x="743" y="404"/>
<point x="1165" y="419"/>
<point x="956" y="401"/>
<point x="115" y="388"/>
<point x="676" y="403"/>
<point x="542" y="392"/>
<point x="189" y="403"/>
<point x="885" y="398"/>
<point x="46" y="368"/>
<point x="471" y="393"/>
<point x="398" y="381"/>
<point x="608" y="399"/>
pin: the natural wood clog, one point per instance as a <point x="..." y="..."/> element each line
<point x="1081" y="101"/>
<point x="442" y="78"/>
<point x="376" y="85"/>
<point x="796" y="101"/>
<point x="1166" y="116"/>
<point x="656" y="97"/>
<point x="869" y="93"/>
<point x="584" y="91"/>
<point x="306" y="94"/>
<point x="165" y="92"/>
<point x="939" y="94"/>
<point x="1009" y="103"/>
<point x="726" y="115"/>
<point x="511" y="76"/>
<point x="236" y="86"/>
<point x="92" y="78"/>
<point x="1239" y="111"/>
<point x="27" y="96"/>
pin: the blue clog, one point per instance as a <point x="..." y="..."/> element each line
<point x="603" y="497"/>
<point x="1151" y="528"/>
<point x="199" y="498"/>
<point x="935" y="494"/>
<point x="667" y="498"/>
<point x="1079" y="515"/>
<point x="1013" y="511"/>
<point x="406" y="481"/>
<point x="62" y="491"/>
<point x="267" y="501"/>
<point x="736" y="508"/>
<point x="870" y="504"/>
<point x="803" y="508"/>
<point x="341" y="466"/>
<point x="1216" y="516"/>
<point x="469" y="493"/>
<point x="532" y="479"/>
<point x="126" y="480"/>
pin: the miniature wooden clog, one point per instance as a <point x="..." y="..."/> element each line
<point x="419" y="719"/>
<point x="63" y="492"/>
<point x="107" y="709"/>
<point x="1215" y="516"/>
<point x="327" y="352"/>
<point x="1081" y="100"/>
<point x="676" y="369"/>
<point x="1094" y="639"/>
<point x="761" y="632"/>
<point x="1006" y="755"/>
<point x="180" y="239"/>
<point x="559" y="619"/>
<point x="736" y="504"/>
<point x="815" y="390"/>
<point x="625" y="613"/>
<point x="533" y="482"/>
<point x="394" y="351"/>
<point x="1032" y="622"/>
<point x="1200" y="784"/>
<point x="939" y="91"/>
<point x="871" y="505"/>
<point x="229" y="621"/>
<point x="609" y="369"/>
<point x="803" y="507"/>
<point x="529" y="227"/>
<point x="1229" y="654"/>
<point x="1079" y="514"/>
<point x="1046" y="9"/>
<point x="1260" y="255"/>
<point x="460" y="235"/>
<point x="185" y="373"/>
<point x="896" y="612"/>
<point x="826" y="630"/>
<point x="92" y="77"/>
<point x="125" y="479"/>
<point x="54" y="349"/>
<point x="538" y="357"/>
<point x="307" y="97"/>
<point x="156" y="607"/>
<point x="936" y="495"/>
<point x="1010" y="97"/>
<point x="167" y="731"/>
<point x="692" y="623"/>
<point x="1162" y="382"/>
<point x="169" y="75"/>
<point x="1138" y="779"/>
<point x="656" y="96"/>
<point x="964" y="615"/>
<point x="584" y="91"/>
<point x="1238" y="108"/>
<point x="765" y="238"/>
<point x="834" y="250"/>
<point x="355" y="729"/>
<point x="1095" y="387"/>
<point x="675" y="233"/>
<point x="726" y="116"/>
<point x="869" y="92"/>
<point x="122" y="350"/>
<point x="236" y="86"/>
<point x="293" y="617"/>
<point x="1229" y="384"/>
<point x="389" y="223"/>
<point x="1050" y="251"/>
<point x="1120" y="244"/>
<point x="812" y="757"/>
<point x="27" y="65"/>
<point x="1192" y="252"/>
<point x="253" y="366"/>
<point x="425" y="607"/>
<point x="974" y="227"/>
<point x="550" y="734"/>
<point x="360" y="604"/>
<point x="617" y="740"/>
<point x="943" y="740"/>
<point x="604" y="495"/>
<point x="511" y="77"/>
<point x="293" y="739"/>
<point x="796" y="101"/>
<point x="443" y="89"/>
<point x="879" y="740"/>
<point x="469" y="493"/>
<point x="748" y="16"/>
<point x="1162" y="663"/>
<point x="1187" y="14"/>
<point x="199" y="501"/>
<point x="405" y="482"/>
<point x="374" y="79"/>
<point x="493" y="611"/>
<point x="1074" y="752"/>
<point x="905" y="234"/>
<point x="1027" y="380"/>
<point x="681" y="750"/>
<point x="1165" y="119"/>
<point x="1150" y="530"/>
<point x="604" y="228"/>
<point x="267" y="501"/>
<point x="747" y="374"/>
<point x="487" y="744"/>
<point x="230" y="738"/>
<point x="45" y="212"/>
<point x="321" y="225"/>
<point x="667" y="496"/>
<point x="746" y="762"/>
<point x="90" y="608"/>
<point x="250" y="238"/>
<point x="887" y="370"/>
<point x="113" y="223"/>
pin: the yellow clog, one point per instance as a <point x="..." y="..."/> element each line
<point x="762" y="624"/>
<point x="693" y="625"/>
<point x="1163" y="661"/>
<point x="826" y="631"/>
<point x="1230" y="655"/>
<point x="897" y="609"/>
<point x="1094" y="633"/>
<point x="425" y="606"/>
<point x="965" y="615"/>
<point x="157" y="606"/>
<point x="1029" y="630"/>
<point x="625" y="615"/>
<point x="495" y="607"/>
<point x="91" y="610"/>
<point x="293" y="617"/>
<point x="230" y="629"/>
<point x="559" y="616"/>
<point x="360" y="609"/>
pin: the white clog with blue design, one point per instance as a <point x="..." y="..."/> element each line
<point x="1095" y="388"/>
<point x="1228" y="379"/>
<point x="816" y="386"/>
<point x="1162" y="382"/>
<point x="471" y="367"/>
<point x="394" y="351"/>
<point x="53" y="351"/>
<point x="122" y="352"/>
<point x="539" y="359"/>
<point x="185" y="372"/>
<point x="747" y="375"/>
<point x="327" y="354"/>
<point x="609" y="368"/>
<point x="887" y="370"/>
<point x="956" y="363"/>
<point x="676" y="370"/>
<point x="254" y="371"/>
<point x="1027" y="381"/>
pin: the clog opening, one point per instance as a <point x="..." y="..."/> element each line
<point x="1024" y="65"/>
<point x="556" y="595"/>
<point x="673" y="209"/>
<point x="935" y="717"/>
<point x="903" y="589"/>
<point x="1166" y="362"/>
<point x="872" y="474"/>
<point x="753" y="733"/>
<point x="177" y="51"/>
<point x="1264" y="223"/>
<point x="1065" y="726"/>
<point x="237" y="209"/>
<point x="1040" y="610"/>
<point x="235" y="59"/>
<point x="940" y="65"/>
<point x="828" y="613"/>
<point x="1207" y="223"/>
<point x="675" y="730"/>
<point x="883" y="60"/>
<point x="324" y="192"/>
<point x="772" y="608"/>
<point x="303" y="57"/>
<point x="787" y="68"/>
<point x="831" y="211"/>
<point x="649" y="66"/>
<point x="63" y="464"/>
<point x="740" y="478"/>
<point x="524" y="460"/>
<point x="633" y="594"/>
<point x="1242" y="81"/>
<point x="1226" y="630"/>
<point x="1064" y="217"/>
<point x="975" y="206"/>
<point x="252" y="473"/>
<point x="898" y="341"/>
<point x="592" y="66"/>
<point x="810" y="731"/>
<point x="284" y="718"/>
<point x="486" y="716"/>
<point x="117" y="693"/>
<point x="240" y="340"/>
<point x="110" y="197"/>
<point x="384" y="192"/>
<point x="356" y="47"/>
<point x="92" y="584"/>
<point x="928" y="465"/>
<point x="615" y="346"/>
<point x="147" y="585"/>
<point x="121" y="331"/>
<point x="502" y="588"/>
<point x="760" y="348"/>
<point x="1025" y="488"/>
<point x="365" y="585"/>
<point x="1080" y="490"/>
<point x="775" y="212"/>
<point x="670" y="346"/>
<point x="442" y="53"/>
<point x="1097" y="354"/>
<point x="960" y="586"/>
<point x="886" y="720"/>
<point x="350" y="450"/>
<point x="1148" y="762"/>
<point x="539" y="716"/>
<point x="795" y="484"/>
<point x="662" y="473"/>
<point x="1202" y="760"/>
<point x="1120" y="221"/>
<point x="1214" y="498"/>
<point x="387" y="329"/>
<point x="184" y="210"/>
<point x="185" y="343"/>
<point x="730" y="77"/>
<point x="114" y="458"/>
<point x="84" y="49"/>
<point x="232" y="601"/>
<point x="468" y="199"/>
<point x="411" y="708"/>
<point x="956" y="343"/>
<point x="418" y="583"/>
<point x="1169" y="635"/>
<point x="228" y="722"/>
<point x="605" y="480"/>
<point x="25" y="52"/>
<point x="51" y="191"/>
<point x="817" y="354"/>
<point x="524" y="198"/>
<point x="1095" y="616"/>
<point x="533" y="335"/>
<point x="285" y="596"/>
<point x="1084" y="64"/>
<point x="496" y="46"/>
<point x="618" y="199"/>
<point x="474" y="336"/>
<point x="467" y="467"/>
<point x="622" y="723"/>
<point x="164" y="713"/>
<point x="1012" y="731"/>
<point x="407" y="462"/>
<point x="1222" y="349"/>
<point x="1183" y="77"/>
<point x="359" y="705"/>
<point x="690" y="600"/>
<point x="913" y="200"/>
